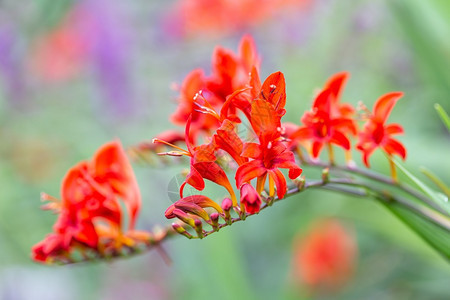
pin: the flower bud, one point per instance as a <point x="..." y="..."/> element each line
<point x="215" y="221"/>
<point x="184" y="217"/>
<point x="198" y="228"/>
<point x="180" y="229"/>
<point x="326" y="175"/>
<point x="250" y="199"/>
<point x="226" y="206"/>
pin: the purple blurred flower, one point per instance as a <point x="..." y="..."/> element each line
<point x="10" y="64"/>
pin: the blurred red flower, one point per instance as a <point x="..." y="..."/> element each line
<point x="90" y="209"/>
<point x="325" y="257"/>
<point x="225" y="16"/>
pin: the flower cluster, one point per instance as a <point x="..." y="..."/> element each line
<point x="237" y="118"/>
<point x="217" y="107"/>
<point x="90" y="215"/>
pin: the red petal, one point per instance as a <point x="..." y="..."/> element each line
<point x="248" y="171"/>
<point x="384" y="105"/>
<point x="367" y="150"/>
<point x="316" y="148"/>
<point x="265" y="121"/>
<point x="255" y="83"/>
<point x="71" y="191"/>
<point x="322" y="101"/>
<point x="336" y="84"/>
<point x="112" y="167"/>
<point x="393" y="146"/>
<point x="393" y="129"/>
<point x="303" y="133"/>
<point x="227" y="139"/>
<point x="251" y="150"/>
<point x="194" y="179"/>
<point x="213" y="172"/>
<point x="274" y="90"/>
<point x="340" y="139"/>
<point x="248" y="53"/>
<point x="345" y="123"/>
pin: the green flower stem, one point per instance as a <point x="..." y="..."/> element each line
<point x="377" y="177"/>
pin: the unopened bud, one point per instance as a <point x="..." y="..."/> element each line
<point x="227" y="204"/>
<point x="300" y="183"/>
<point x="325" y="175"/>
<point x="180" y="229"/>
<point x="215" y="221"/>
<point x="184" y="217"/>
<point x="198" y="228"/>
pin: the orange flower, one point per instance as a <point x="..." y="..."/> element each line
<point x="270" y="154"/>
<point x="376" y="134"/>
<point x="230" y="73"/>
<point x="90" y="208"/>
<point x="322" y="128"/>
<point x="325" y="258"/>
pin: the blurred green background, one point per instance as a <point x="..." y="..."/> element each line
<point x="120" y="87"/>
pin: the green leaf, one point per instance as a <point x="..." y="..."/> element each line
<point x="443" y="114"/>
<point x="435" y="236"/>
<point x="436" y="180"/>
<point x="440" y="200"/>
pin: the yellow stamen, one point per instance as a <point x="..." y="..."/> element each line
<point x="182" y="151"/>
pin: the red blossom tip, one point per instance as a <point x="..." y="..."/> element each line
<point x="250" y="199"/>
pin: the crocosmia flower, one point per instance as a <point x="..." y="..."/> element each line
<point x="90" y="215"/>
<point x="230" y="73"/>
<point x="322" y="128"/>
<point x="377" y="134"/>
<point x="270" y="154"/>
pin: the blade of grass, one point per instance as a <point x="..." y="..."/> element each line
<point x="443" y="114"/>
<point x="427" y="190"/>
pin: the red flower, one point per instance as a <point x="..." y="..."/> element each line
<point x="376" y="134"/>
<point x="194" y="83"/>
<point x="322" y="128"/>
<point x="250" y="199"/>
<point x="90" y="193"/>
<point x="202" y="165"/>
<point x="268" y="156"/>
<point x="230" y="73"/>
<point x="267" y="160"/>
<point x="325" y="258"/>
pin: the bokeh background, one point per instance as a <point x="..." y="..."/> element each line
<point x="76" y="74"/>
